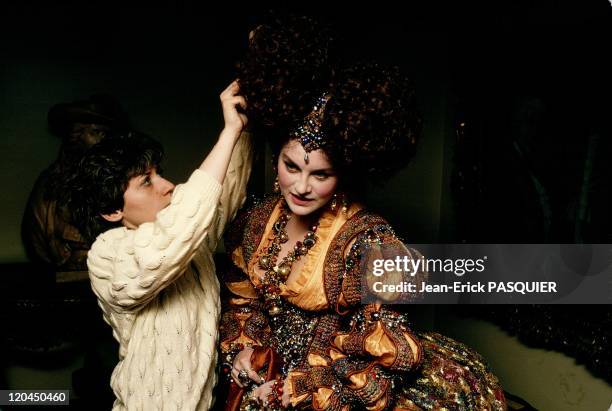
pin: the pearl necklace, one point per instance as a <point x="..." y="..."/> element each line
<point x="275" y="275"/>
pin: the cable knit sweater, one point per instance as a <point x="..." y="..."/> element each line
<point x="158" y="290"/>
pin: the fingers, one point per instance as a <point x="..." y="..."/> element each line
<point x="257" y="393"/>
<point x="233" y="116"/>
<point x="230" y="100"/>
<point x="231" y="90"/>
<point x="234" y="375"/>
<point x="255" y="377"/>
<point x="244" y="119"/>
<point x="231" y="87"/>
<point x="230" y="103"/>
<point x="262" y="392"/>
<point x="242" y="365"/>
<point x="285" y="398"/>
<point x="234" y="101"/>
<point x="241" y="101"/>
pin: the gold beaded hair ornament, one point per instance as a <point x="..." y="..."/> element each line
<point x="309" y="133"/>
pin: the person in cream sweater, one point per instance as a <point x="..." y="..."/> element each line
<point x="151" y="265"/>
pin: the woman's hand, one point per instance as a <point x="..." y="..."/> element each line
<point x="262" y="392"/>
<point x="235" y="121"/>
<point x="285" y="399"/>
<point x="242" y="361"/>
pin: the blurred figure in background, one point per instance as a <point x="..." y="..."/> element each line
<point x="48" y="235"/>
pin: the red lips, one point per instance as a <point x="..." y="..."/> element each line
<point x="299" y="201"/>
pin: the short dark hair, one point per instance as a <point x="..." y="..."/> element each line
<point x="98" y="183"/>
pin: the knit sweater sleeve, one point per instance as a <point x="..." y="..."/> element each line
<point x="233" y="193"/>
<point x="128" y="268"/>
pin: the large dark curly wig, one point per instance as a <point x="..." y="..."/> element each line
<point x="371" y="119"/>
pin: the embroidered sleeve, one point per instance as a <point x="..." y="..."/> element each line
<point x="362" y="363"/>
<point x="242" y="322"/>
<point x="366" y="357"/>
<point x="243" y="325"/>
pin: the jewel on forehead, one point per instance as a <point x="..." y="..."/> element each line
<point x="309" y="133"/>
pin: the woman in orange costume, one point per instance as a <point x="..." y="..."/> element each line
<point x="294" y="330"/>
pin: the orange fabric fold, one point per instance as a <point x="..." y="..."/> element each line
<point x="380" y="346"/>
<point x="243" y="289"/>
<point x="305" y="288"/>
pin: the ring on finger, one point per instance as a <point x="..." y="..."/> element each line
<point x="243" y="377"/>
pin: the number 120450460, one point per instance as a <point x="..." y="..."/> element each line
<point x="34" y="397"/>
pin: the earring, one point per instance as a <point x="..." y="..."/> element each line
<point x="276" y="185"/>
<point x="343" y="201"/>
<point x="344" y="204"/>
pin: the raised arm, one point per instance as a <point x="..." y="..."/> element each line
<point x="128" y="268"/>
<point x="238" y="172"/>
<point x="217" y="162"/>
<point x="233" y="193"/>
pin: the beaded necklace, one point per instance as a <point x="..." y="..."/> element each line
<point x="277" y="274"/>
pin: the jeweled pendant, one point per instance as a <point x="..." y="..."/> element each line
<point x="264" y="262"/>
<point x="309" y="242"/>
<point x="284" y="270"/>
<point x="274" y="310"/>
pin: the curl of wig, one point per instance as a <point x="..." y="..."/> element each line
<point x="371" y="120"/>
<point x="289" y="61"/>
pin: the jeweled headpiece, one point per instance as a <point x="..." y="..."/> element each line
<point x="309" y="133"/>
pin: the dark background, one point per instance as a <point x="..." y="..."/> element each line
<point x="532" y="72"/>
<point x="529" y="81"/>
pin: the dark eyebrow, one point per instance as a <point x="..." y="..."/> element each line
<point x="144" y="176"/>
<point x="287" y="159"/>
<point x="328" y="170"/>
